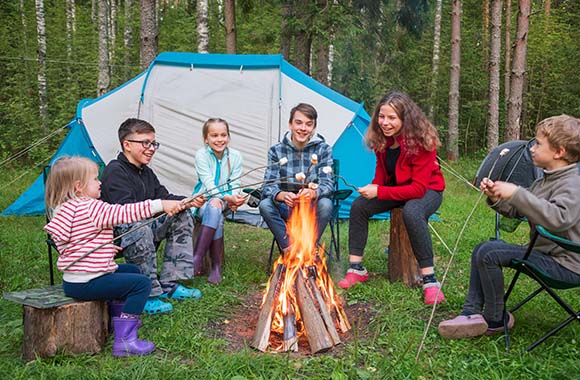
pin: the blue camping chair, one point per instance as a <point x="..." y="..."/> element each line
<point x="546" y="283"/>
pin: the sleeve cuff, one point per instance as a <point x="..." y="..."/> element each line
<point x="156" y="206"/>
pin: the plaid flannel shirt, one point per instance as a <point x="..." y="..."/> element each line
<point x="298" y="161"/>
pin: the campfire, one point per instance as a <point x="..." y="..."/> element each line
<point x="300" y="299"/>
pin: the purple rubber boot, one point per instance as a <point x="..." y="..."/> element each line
<point x="204" y="239"/>
<point x="126" y="342"/>
<point x="115" y="310"/>
<point x="215" y="253"/>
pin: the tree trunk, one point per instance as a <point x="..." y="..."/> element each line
<point x="230" y="24"/>
<point x="149" y="32"/>
<point x="485" y="33"/>
<point x="435" y="64"/>
<point x="70" y="31"/>
<point x="518" y="71"/>
<point x="112" y="29"/>
<point x="104" y="80"/>
<point x="453" y="133"/>
<point x="303" y="39"/>
<point x="128" y="37"/>
<point x="41" y="58"/>
<point x="323" y="40"/>
<point x="285" y="33"/>
<point x="508" y="50"/>
<point x="494" y="62"/>
<point x="202" y="27"/>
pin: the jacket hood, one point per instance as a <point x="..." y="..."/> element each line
<point x="314" y="140"/>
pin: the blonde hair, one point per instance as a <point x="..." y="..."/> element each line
<point x="60" y="184"/>
<point x="562" y="132"/>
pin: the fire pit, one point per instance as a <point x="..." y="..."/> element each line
<point x="300" y="299"/>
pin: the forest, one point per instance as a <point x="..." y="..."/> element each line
<point x="57" y="52"/>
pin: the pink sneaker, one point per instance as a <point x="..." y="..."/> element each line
<point x="463" y="326"/>
<point x="430" y="294"/>
<point x="353" y="277"/>
<point x="496" y="330"/>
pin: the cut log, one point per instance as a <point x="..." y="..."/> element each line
<point x="318" y="337"/>
<point x="261" y="336"/>
<point x="402" y="264"/>
<point x="290" y="338"/>
<point x="324" y="312"/>
<point x="75" y="328"/>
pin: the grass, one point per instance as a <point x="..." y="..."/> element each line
<point x="383" y="346"/>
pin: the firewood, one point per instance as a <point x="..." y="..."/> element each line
<point x="402" y="264"/>
<point x="318" y="337"/>
<point x="324" y="312"/>
<point x="290" y="338"/>
<point x="261" y="337"/>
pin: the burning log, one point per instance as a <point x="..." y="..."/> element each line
<point x="318" y="337"/>
<point x="290" y="337"/>
<point x="261" y="337"/>
<point x="324" y="312"/>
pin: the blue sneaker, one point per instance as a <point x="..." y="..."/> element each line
<point x="155" y="306"/>
<point x="181" y="293"/>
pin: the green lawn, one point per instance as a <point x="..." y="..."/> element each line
<point x="389" y="319"/>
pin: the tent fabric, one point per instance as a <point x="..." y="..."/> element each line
<point x="179" y="91"/>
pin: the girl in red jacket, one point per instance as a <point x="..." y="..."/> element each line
<point x="82" y="228"/>
<point x="407" y="175"/>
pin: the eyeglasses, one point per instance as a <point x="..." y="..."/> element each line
<point x="146" y="143"/>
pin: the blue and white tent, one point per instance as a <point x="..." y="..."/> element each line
<point x="179" y="91"/>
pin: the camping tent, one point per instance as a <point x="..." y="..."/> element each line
<point x="179" y="91"/>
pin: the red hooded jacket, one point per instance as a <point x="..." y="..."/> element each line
<point x="414" y="174"/>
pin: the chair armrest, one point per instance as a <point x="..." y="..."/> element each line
<point x="562" y="242"/>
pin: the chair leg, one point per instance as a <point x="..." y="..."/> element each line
<point x="554" y="331"/>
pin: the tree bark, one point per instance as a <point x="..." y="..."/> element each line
<point x="41" y="58"/>
<point x="70" y="30"/>
<point x="202" y="27"/>
<point x="494" y="62"/>
<point x="230" y="24"/>
<point x="508" y="50"/>
<point x="128" y="37"/>
<point x="485" y="33"/>
<point x="323" y="41"/>
<point x="112" y="29"/>
<point x="303" y="38"/>
<point x="149" y="32"/>
<point x="104" y="80"/>
<point x="402" y="264"/>
<point x="435" y="64"/>
<point x="518" y="71"/>
<point x="453" y="133"/>
<point x="285" y="33"/>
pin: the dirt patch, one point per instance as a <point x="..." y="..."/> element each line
<point x="238" y="326"/>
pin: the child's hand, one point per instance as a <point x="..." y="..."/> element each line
<point x="172" y="207"/>
<point x="486" y="186"/>
<point x="196" y="201"/>
<point x="234" y="201"/>
<point x="308" y="194"/>
<point x="503" y="190"/>
<point x="369" y="191"/>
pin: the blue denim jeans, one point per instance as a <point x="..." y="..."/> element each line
<point x="486" y="283"/>
<point x="276" y="214"/>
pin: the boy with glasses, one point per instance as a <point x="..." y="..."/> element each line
<point x="128" y="179"/>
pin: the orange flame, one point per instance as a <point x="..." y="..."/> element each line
<point x="303" y="253"/>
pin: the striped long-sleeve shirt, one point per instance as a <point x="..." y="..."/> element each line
<point x="82" y="224"/>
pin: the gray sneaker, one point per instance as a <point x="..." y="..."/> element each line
<point x="463" y="326"/>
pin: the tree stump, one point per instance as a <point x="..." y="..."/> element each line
<point x="75" y="328"/>
<point x="206" y="259"/>
<point x="54" y="322"/>
<point x="402" y="264"/>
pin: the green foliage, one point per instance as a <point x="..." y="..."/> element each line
<point x="386" y="332"/>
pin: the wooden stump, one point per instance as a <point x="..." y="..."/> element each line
<point x="402" y="264"/>
<point x="75" y="328"/>
<point x="206" y="259"/>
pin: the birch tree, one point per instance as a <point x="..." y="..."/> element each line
<point x="112" y="28"/>
<point x="508" y="49"/>
<point x="435" y="64"/>
<point x="104" y="80"/>
<point x="230" y="25"/>
<point x="148" y="32"/>
<point x="41" y="59"/>
<point x="202" y="27"/>
<point x="128" y="37"/>
<point x="494" y="62"/>
<point x="70" y="28"/>
<point x="453" y="132"/>
<point x="514" y="112"/>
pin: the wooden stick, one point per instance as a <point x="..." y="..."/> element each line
<point x="316" y="332"/>
<point x="324" y="312"/>
<point x="261" y="338"/>
<point x="290" y="338"/>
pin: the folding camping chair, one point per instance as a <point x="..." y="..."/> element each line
<point x="546" y="283"/>
<point x="338" y="196"/>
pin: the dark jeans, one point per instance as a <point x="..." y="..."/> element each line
<point x="126" y="283"/>
<point x="486" y="284"/>
<point x="416" y="214"/>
